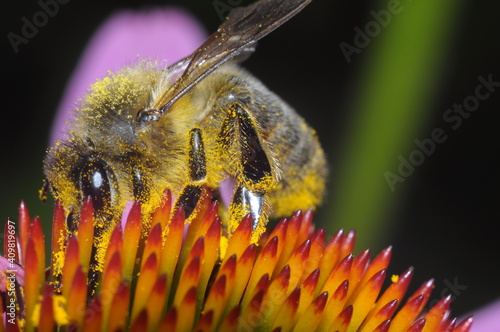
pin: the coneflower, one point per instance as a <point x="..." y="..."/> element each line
<point x="186" y="276"/>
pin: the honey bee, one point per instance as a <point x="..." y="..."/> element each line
<point x="203" y="122"/>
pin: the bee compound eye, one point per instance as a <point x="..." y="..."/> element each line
<point x="94" y="182"/>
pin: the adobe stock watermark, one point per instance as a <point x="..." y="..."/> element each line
<point x="451" y="288"/>
<point x="363" y="36"/>
<point x="10" y="272"/>
<point x="454" y="117"/>
<point x="223" y="7"/>
<point x="30" y="26"/>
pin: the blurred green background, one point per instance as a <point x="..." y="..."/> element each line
<point x="372" y="77"/>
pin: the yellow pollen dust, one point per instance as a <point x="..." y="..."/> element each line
<point x="60" y="314"/>
<point x="59" y="258"/>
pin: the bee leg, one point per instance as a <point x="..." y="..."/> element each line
<point x="189" y="198"/>
<point x="192" y="192"/>
<point x="256" y="166"/>
<point x="255" y="173"/>
<point x="250" y="202"/>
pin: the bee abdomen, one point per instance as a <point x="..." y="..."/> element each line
<point x="299" y="156"/>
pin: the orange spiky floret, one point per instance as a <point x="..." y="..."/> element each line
<point x="59" y="240"/>
<point x="183" y="275"/>
<point x="85" y="233"/>
<point x="24" y="228"/>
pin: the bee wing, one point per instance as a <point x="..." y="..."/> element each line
<point x="236" y="36"/>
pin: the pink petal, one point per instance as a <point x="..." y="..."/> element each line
<point x="487" y="319"/>
<point x="126" y="37"/>
<point x="7" y="269"/>
<point x="226" y="188"/>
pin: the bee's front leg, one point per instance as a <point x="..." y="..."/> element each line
<point x="192" y="192"/>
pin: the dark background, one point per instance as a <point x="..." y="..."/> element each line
<point x="448" y="213"/>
